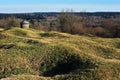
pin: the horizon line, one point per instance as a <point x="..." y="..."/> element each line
<point x="59" y="12"/>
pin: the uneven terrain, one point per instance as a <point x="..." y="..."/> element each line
<point x="28" y="54"/>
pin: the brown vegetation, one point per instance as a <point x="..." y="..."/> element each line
<point x="74" y="24"/>
<point x="10" y="22"/>
<point x="69" y="22"/>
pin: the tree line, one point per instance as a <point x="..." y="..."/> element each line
<point x="69" y="22"/>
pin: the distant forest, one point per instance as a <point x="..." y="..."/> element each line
<point x="43" y="15"/>
<point x="103" y="24"/>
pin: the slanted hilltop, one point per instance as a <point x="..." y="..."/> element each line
<point x="28" y="54"/>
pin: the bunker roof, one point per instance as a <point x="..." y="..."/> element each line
<point x="25" y="22"/>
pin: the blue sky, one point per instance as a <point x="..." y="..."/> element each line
<point x="16" y="6"/>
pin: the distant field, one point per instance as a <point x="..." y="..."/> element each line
<point x="28" y="54"/>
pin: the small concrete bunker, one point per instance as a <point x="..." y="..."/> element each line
<point x="24" y="24"/>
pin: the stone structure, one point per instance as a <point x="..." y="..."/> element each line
<point x="24" y="24"/>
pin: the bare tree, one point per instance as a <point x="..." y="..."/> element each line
<point x="67" y="21"/>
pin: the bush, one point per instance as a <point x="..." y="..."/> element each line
<point x="67" y="21"/>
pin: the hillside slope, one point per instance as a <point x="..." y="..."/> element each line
<point x="57" y="56"/>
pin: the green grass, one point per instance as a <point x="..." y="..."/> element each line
<point x="26" y="77"/>
<point x="59" y="56"/>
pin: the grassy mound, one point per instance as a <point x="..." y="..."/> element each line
<point x="59" y="56"/>
<point x="54" y="34"/>
<point x="64" y="60"/>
